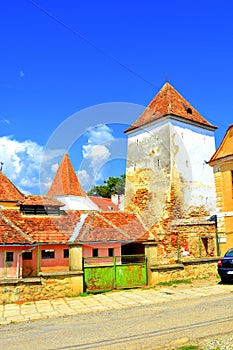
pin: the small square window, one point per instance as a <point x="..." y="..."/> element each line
<point x="48" y="254"/>
<point x="110" y="252"/>
<point x="9" y="256"/>
<point x="66" y="253"/>
<point x="95" y="252"/>
<point x="27" y="256"/>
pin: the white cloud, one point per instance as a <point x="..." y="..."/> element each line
<point x="21" y="161"/>
<point x="96" y="152"/>
<point x="54" y="168"/>
<point x="28" y="165"/>
<point x="98" y="156"/>
<point x="101" y="134"/>
<point x="84" y="178"/>
<point x="21" y="74"/>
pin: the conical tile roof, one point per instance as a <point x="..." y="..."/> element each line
<point x="65" y="182"/>
<point x="168" y="101"/>
<point x="8" y="191"/>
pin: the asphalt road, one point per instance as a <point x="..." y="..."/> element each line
<point x="141" y="327"/>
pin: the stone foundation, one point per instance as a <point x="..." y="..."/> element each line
<point x="47" y="285"/>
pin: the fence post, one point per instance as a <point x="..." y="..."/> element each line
<point x="151" y="259"/>
<point x="115" y="272"/>
<point x="75" y="257"/>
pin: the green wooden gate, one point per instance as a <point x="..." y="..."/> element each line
<point x="106" y="273"/>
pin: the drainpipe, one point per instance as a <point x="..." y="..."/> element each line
<point x="216" y="232"/>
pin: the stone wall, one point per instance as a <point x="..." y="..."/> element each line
<point x="191" y="269"/>
<point x="47" y="285"/>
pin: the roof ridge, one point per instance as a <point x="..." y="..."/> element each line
<point x="78" y="227"/>
<point x="92" y="215"/>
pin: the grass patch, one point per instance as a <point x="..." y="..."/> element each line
<point x="86" y="294"/>
<point x="189" y="347"/>
<point x="175" y="282"/>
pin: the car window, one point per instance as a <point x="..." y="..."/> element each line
<point x="229" y="253"/>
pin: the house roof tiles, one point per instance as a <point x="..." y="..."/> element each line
<point x="104" y="204"/>
<point x="110" y="226"/>
<point x="40" y="200"/>
<point x="44" y="229"/>
<point x="96" y="227"/>
<point x="168" y="101"/>
<point x="8" y="191"/>
<point x="10" y="234"/>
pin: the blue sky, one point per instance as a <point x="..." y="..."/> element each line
<point x="59" y="58"/>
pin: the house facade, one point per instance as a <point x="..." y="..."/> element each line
<point x="168" y="180"/>
<point x="222" y="164"/>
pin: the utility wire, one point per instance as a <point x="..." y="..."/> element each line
<point x="91" y="43"/>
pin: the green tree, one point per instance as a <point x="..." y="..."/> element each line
<point x="114" y="185"/>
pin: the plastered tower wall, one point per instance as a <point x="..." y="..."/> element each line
<point x="148" y="172"/>
<point x="191" y="147"/>
<point x="169" y="183"/>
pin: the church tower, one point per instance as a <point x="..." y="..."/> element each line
<point x="67" y="189"/>
<point x="168" y="179"/>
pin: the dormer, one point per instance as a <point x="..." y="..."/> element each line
<point x="40" y="205"/>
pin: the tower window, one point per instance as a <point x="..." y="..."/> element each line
<point x="189" y="110"/>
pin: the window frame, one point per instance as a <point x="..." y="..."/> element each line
<point x="66" y="253"/>
<point x="47" y="254"/>
<point x="28" y="255"/>
<point x="9" y="256"/>
<point x="111" y="252"/>
<point x="95" y="252"/>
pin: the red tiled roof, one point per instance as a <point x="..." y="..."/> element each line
<point x="168" y="101"/>
<point x="9" y="234"/>
<point x="103" y="227"/>
<point x="45" y="229"/>
<point x="226" y="147"/>
<point x="65" y="181"/>
<point x="40" y="200"/>
<point x="96" y="227"/>
<point x="8" y="191"/>
<point x="104" y="204"/>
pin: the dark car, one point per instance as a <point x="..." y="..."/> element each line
<point x="225" y="267"/>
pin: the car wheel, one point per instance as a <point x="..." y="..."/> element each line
<point x="224" y="280"/>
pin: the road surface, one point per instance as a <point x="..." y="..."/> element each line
<point x="140" y="327"/>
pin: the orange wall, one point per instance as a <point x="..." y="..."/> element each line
<point x="224" y="203"/>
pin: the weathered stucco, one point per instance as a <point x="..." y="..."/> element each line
<point x="167" y="179"/>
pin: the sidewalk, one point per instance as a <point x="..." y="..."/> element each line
<point x="37" y="310"/>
